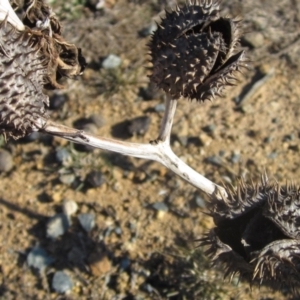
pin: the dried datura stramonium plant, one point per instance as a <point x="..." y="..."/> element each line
<point x="257" y="233"/>
<point x="195" y="53"/>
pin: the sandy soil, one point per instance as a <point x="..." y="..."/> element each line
<point x="135" y="251"/>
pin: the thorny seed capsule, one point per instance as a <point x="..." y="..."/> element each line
<point x="257" y="233"/>
<point x="194" y="51"/>
<point x="22" y="75"/>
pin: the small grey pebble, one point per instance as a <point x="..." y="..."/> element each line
<point x="200" y="201"/>
<point x="125" y="263"/>
<point x="146" y="31"/>
<point x="235" y="158"/>
<point x="214" y="160"/>
<point x="6" y="161"/>
<point x="39" y="259"/>
<point x="111" y="62"/>
<point x="57" y="225"/>
<point x="161" y="206"/>
<point x="273" y="155"/>
<point x="95" y="179"/>
<point x="61" y="282"/>
<point x="160" y="107"/>
<point x="57" y="100"/>
<point x="226" y="179"/>
<point x="67" y="179"/>
<point x="69" y="207"/>
<point x="34" y="136"/>
<point x="148" y="288"/>
<point x="118" y="230"/>
<point x="62" y="155"/>
<point x="87" y="221"/>
<point x="139" y="125"/>
<point x="255" y="39"/>
<point x="222" y="153"/>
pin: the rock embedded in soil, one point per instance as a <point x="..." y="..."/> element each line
<point x="57" y="101"/>
<point x="148" y="30"/>
<point x="69" y="207"/>
<point x="255" y="39"/>
<point x="39" y="259"/>
<point x="200" y="201"/>
<point x="62" y="155"/>
<point x="99" y="263"/>
<point x="67" y="179"/>
<point x="125" y="263"/>
<point x="160" y="107"/>
<point x="87" y="221"/>
<point x="139" y="125"/>
<point x="6" y="161"/>
<point x="61" y="282"/>
<point x="111" y="62"/>
<point x="160" y="206"/>
<point x="95" y="179"/>
<point x="57" y="225"/>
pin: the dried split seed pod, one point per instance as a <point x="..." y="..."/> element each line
<point x="33" y="56"/>
<point x="257" y="233"/>
<point x="194" y="51"/>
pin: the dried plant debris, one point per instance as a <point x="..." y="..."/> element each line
<point x="31" y="60"/>
<point x="64" y="59"/>
<point x="195" y="52"/>
<point x="257" y="233"/>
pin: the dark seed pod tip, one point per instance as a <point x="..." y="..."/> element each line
<point x="194" y="51"/>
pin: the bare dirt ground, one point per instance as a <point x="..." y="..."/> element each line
<point x="136" y="251"/>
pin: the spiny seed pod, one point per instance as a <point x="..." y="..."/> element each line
<point x="23" y="71"/>
<point x="194" y="51"/>
<point x="257" y="233"/>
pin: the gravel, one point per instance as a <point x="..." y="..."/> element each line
<point x="61" y="282"/>
<point x="111" y="62"/>
<point x="39" y="259"/>
<point x="57" y="225"/>
<point x="6" y="161"/>
<point x="87" y="221"/>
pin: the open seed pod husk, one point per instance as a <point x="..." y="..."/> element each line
<point x="257" y="233"/>
<point x="195" y="52"/>
<point x="64" y="58"/>
<point x="32" y="57"/>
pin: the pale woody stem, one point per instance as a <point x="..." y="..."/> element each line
<point x="160" y="152"/>
<point x="167" y="121"/>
